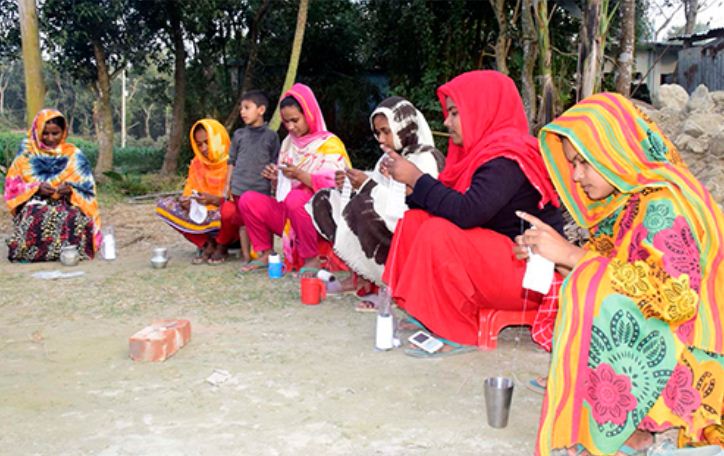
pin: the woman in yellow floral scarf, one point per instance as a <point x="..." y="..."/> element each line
<point x="205" y="183"/>
<point x="50" y="190"/>
<point x="638" y="340"/>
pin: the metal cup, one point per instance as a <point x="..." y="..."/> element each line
<point x="498" y="395"/>
<point x="160" y="252"/>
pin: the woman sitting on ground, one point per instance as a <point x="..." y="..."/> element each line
<point x="361" y="231"/>
<point x="51" y="193"/>
<point x="451" y="257"/>
<point x="638" y="342"/>
<point x="205" y="184"/>
<point x="308" y="160"/>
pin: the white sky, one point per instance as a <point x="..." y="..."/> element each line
<point x="713" y="14"/>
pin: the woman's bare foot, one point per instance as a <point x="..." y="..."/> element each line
<point x="205" y="253"/>
<point x="261" y="262"/>
<point x="220" y="254"/>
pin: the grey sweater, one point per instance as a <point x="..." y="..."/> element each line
<point x="252" y="148"/>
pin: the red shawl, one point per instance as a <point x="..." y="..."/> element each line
<point x="493" y="125"/>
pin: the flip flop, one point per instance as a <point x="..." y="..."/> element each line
<point x="416" y="352"/>
<point x="308" y="269"/>
<point x="535" y="386"/>
<point x="371" y="299"/>
<point x="253" y="265"/>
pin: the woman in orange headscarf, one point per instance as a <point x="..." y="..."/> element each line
<point x="50" y="190"/>
<point x="205" y="186"/>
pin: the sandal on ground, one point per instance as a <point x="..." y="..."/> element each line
<point x="199" y="259"/>
<point x="536" y="385"/>
<point x="202" y="254"/>
<point x="308" y="271"/>
<point x="457" y="349"/>
<point x="368" y="304"/>
<point x="253" y="265"/>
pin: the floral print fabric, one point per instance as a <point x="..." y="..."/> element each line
<point x="638" y="336"/>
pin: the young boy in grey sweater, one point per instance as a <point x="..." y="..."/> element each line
<point x="252" y="148"/>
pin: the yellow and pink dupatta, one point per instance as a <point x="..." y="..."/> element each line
<point x="638" y="338"/>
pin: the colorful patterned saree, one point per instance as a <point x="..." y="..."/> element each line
<point x="44" y="225"/>
<point x="638" y="339"/>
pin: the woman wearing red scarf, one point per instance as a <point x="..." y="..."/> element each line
<point x="452" y="255"/>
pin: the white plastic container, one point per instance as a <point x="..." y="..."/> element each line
<point x="108" y="246"/>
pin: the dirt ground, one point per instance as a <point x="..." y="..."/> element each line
<point x="305" y="379"/>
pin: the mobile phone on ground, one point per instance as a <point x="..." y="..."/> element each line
<point x="426" y="342"/>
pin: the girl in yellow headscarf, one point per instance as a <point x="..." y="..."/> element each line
<point x="50" y="190"/>
<point x="205" y="184"/>
<point x="639" y="334"/>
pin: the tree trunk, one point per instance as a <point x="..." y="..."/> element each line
<point x="293" y="58"/>
<point x="530" y="53"/>
<point x="691" y="8"/>
<point x="32" y="62"/>
<point x="589" y="50"/>
<point x="501" y="44"/>
<point x="102" y="115"/>
<point x="147" y="111"/>
<point x="626" y="55"/>
<point x="250" y="62"/>
<point x="170" y="160"/>
<point x="547" y="109"/>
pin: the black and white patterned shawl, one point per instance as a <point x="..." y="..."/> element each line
<point x="361" y="231"/>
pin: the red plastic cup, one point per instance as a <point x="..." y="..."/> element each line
<point x="312" y="290"/>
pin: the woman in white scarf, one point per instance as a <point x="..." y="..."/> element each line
<point x="361" y="228"/>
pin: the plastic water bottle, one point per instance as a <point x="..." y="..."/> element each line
<point x="275" y="266"/>
<point x="108" y="245"/>
<point x="325" y="276"/>
<point x="385" y="332"/>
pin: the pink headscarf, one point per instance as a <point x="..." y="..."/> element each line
<point x="312" y="114"/>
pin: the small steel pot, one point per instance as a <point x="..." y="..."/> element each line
<point x="69" y="255"/>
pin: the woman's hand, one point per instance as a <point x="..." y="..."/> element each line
<point x="208" y="199"/>
<point x="395" y="166"/>
<point x="356" y="177"/>
<point x="185" y="203"/>
<point x="64" y="190"/>
<point x="293" y="172"/>
<point x="546" y="242"/>
<point x="339" y="179"/>
<point x="46" y="189"/>
<point x="270" y="172"/>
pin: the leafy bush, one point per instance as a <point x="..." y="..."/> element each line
<point x="133" y="184"/>
<point x="137" y="160"/>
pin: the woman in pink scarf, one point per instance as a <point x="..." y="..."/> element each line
<point x="308" y="159"/>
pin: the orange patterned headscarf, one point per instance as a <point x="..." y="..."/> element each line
<point x="36" y="163"/>
<point x="207" y="174"/>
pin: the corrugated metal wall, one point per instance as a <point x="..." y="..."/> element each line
<point x="702" y="65"/>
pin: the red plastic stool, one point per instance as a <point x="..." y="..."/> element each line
<point x="492" y="321"/>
